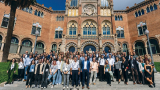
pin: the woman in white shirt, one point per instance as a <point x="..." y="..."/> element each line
<point x="59" y="73"/>
<point x="20" y="69"/>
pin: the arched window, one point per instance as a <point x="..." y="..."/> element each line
<point x="73" y="30"/>
<point x="155" y="7"/>
<point x="62" y="18"/>
<point x="118" y="18"/>
<point x="136" y="14"/>
<point x="151" y="8"/>
<point x="35" y="13"/>
<point x="139" y="49"/>
<point x="72" y="49"/>
<point x="141" y="28"/>
<point x="58" y="32"/>
<point x="54" y="47"/>
<point x="39" y="13"/>
<point x="154" y="46"/>
<point x="14" y="45"/>
<point x="142" y="11"/>
<point x="26" y="46"/>
<point x="89" y="29"/>
<point x="148" y="10"/>
<point x="74" y="3"/>
<point x="57" y="18"/>
<point x="120" y="32"/>
<point x="115" y="18"/>
<point x="125" y="48"/>
<point x="30" y="10"/>
<point x="104" y="3"/>
<point x="121" y="18"/>
<point x="139" y="13"/>
<point x="106" y="29"/>
<point x="36" y="26"/>
<point x="0" y="41"/>
<point x="42" y="14"/>
<point x="40" y="47"/>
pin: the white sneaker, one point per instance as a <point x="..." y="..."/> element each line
<point x="52" y="86"/>
<point x="67" y="87"/>
<point x="63" y="87"/>
<point x="44" y="87"/>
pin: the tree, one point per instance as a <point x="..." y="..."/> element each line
<point x="13" y="4"/>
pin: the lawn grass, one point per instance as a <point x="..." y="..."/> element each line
<point x="157" y="66"/>
<point x="3" y="71"/>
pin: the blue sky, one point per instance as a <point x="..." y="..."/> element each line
<point x="60" y="4"/>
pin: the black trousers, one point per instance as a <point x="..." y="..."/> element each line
<point x="74" y="78"/>
<point x="30" y="77"/>
<point x="38" y="78"/>
<point x="125" y="74"/>
<point x="44" y="79"/>
<point x="117" y="74"/>
<point x="20" y="73"/>
<point x="108" y="77"/>
<point x="101" y="77"/>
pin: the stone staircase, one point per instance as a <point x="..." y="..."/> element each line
<point x="99" y="86"/>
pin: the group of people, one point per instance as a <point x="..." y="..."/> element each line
<point x="81" y="68"/>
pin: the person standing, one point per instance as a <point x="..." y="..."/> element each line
<point x="38" y="73"/>
<point x="26" y="64"/>
<point x="59" y="73"/>
<point x="75" y="71"/>
<point x="30" y="74"/>
<point x="133" y="66"/>
<point x="101" y="65"/>
<point x="85" y="71"/>
<point x="111" y="62"/>
<point x="11" y="71"/>
<point x="107" y="69"/>
<point x="117" y="67"/>
<point x="94" y="70"/>
<point x="124" y="66"/>
<point x="66" y="73"/>
<point x="53" y="73"/>
<point x="20" y="69"/>
<point x="141" y="70"/>
<point x="45" y="69"/>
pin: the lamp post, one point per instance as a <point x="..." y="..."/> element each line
<point x="147" y="34"/>
<point x="36" y="34"/>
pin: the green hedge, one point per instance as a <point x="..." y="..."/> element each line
<point x="3" y="71"/>
<point x="157" y="66"/>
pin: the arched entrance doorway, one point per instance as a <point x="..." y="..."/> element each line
<point x="72" y="49"/>
<point x="106" y="49"/>
<point x="88" y="47"/>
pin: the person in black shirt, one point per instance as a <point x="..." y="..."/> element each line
<point x="45" y="72"/>
<point x="38" y="73"/>
<point x="124" y="65"/>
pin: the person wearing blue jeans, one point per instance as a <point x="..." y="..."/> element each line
<point x="59" y="73"/>
<point x="27" y="63"/>
<point x="53" y="73"/>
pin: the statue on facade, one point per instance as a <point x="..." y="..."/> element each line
<point x="90" y="50"/>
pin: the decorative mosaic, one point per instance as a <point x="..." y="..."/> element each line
<point x="109" y="45"/>
<point x="70" y="45"/>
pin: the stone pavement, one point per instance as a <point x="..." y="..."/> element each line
<point x="99" y="86"/>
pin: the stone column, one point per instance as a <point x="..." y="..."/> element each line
<point x="62" y="47"/>
<point x="100" y="43"/>
<point x="146" y="50"/>
<point x="79" y="43"/>
<point x="115" y="43"/>
<point x="18" y="50"/>
<point x="2" y="46"/>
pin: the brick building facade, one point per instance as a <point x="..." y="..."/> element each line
<point x="84" y="25"/>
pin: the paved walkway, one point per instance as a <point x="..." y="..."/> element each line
<point x="99" y="86"/>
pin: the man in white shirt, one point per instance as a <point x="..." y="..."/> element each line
<point x="75" y="71"/>
<point x="101" y="65"/>
<point x="111" y="62"/>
